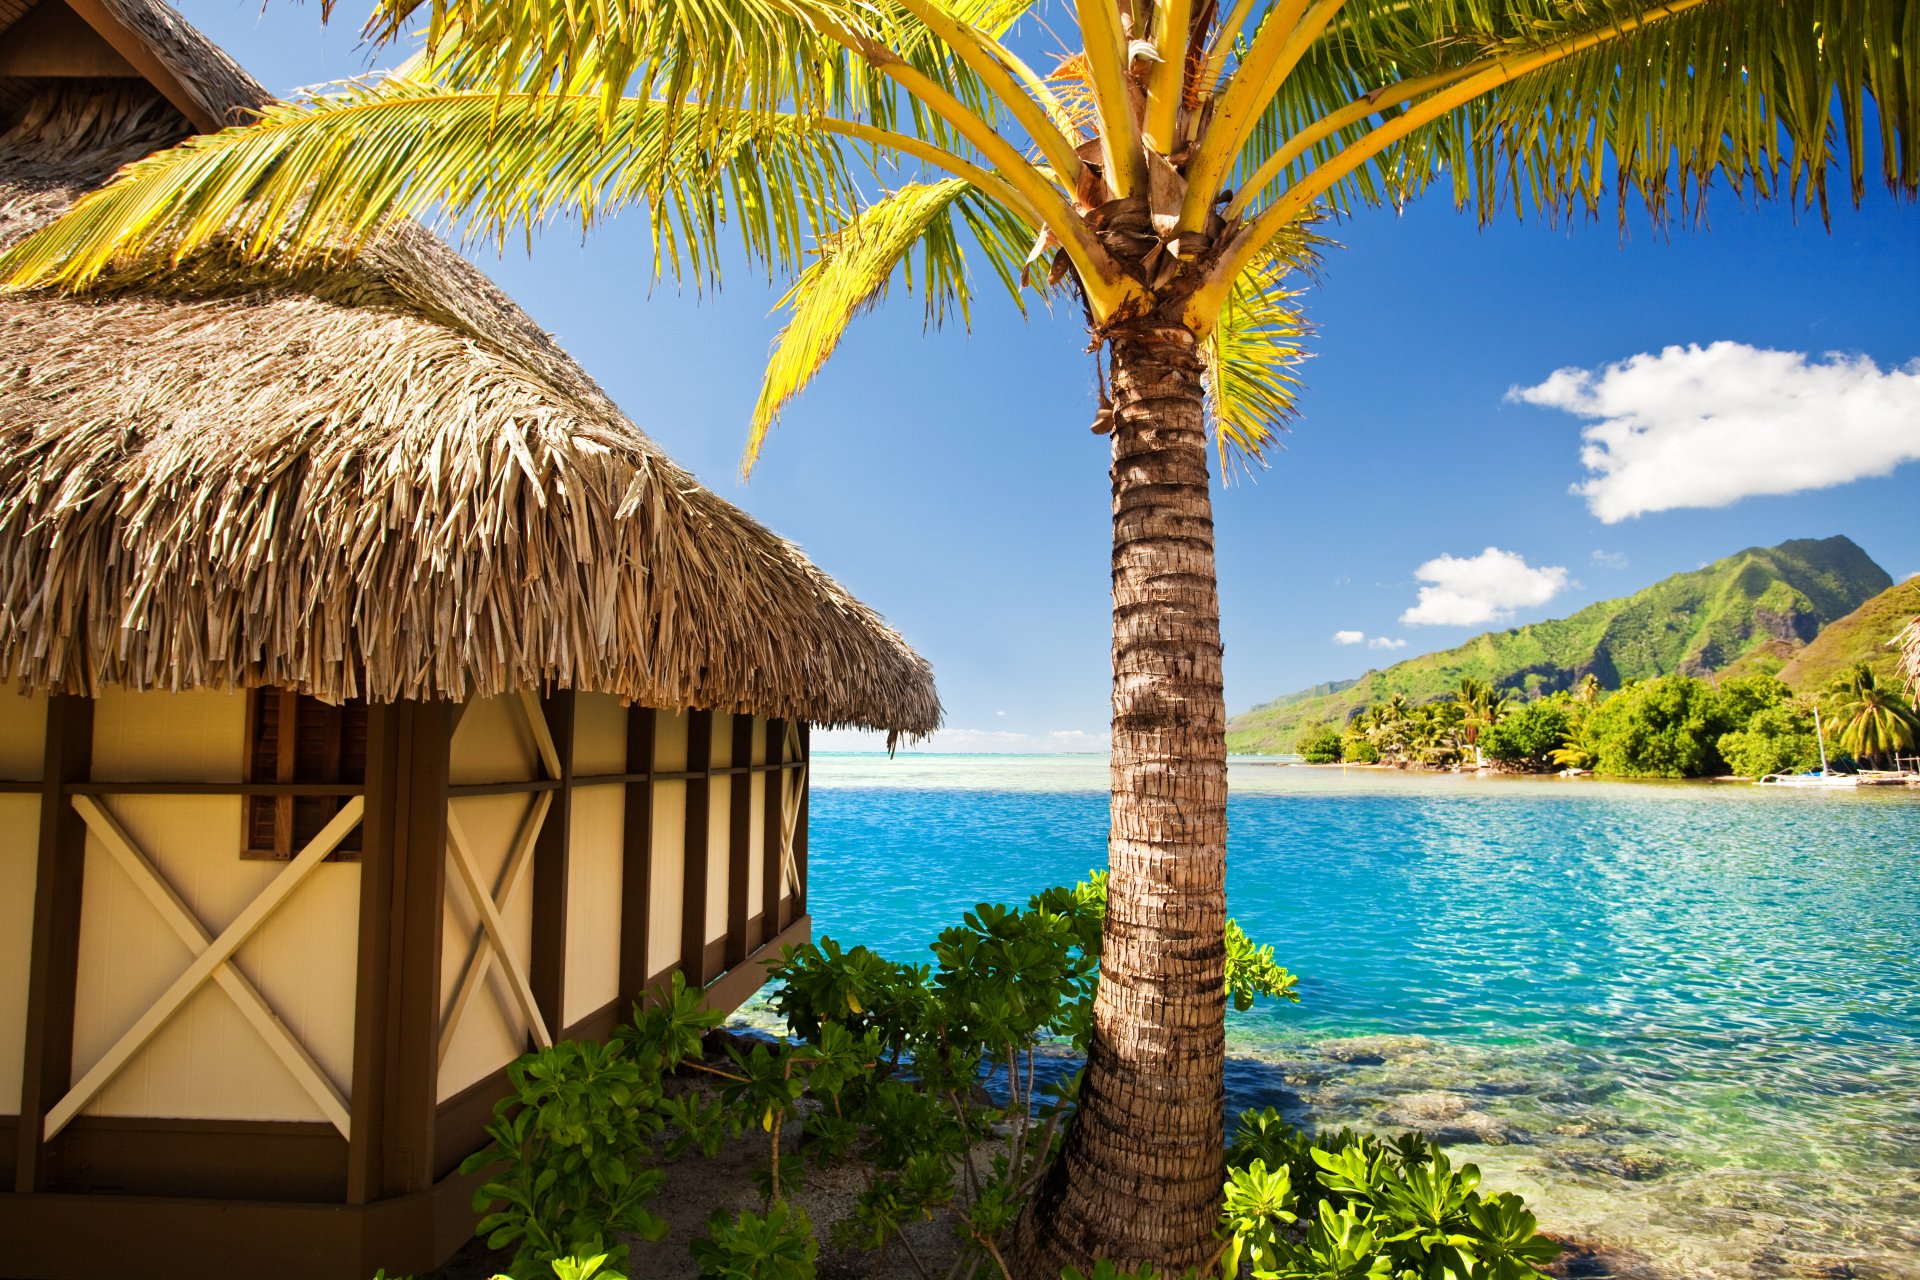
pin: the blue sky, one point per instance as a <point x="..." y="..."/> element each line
<point x="950" y="480"/>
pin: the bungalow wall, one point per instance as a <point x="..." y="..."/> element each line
<point x="506" y="872"/>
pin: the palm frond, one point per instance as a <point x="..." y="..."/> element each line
<point x="1772" y="98"/>
<point x="1763" y="95"/>
<point x="322" y="179"/>
<point x="857" y="263"/>
<point x="842" y="57"/>
<point x="1254" y="349"/>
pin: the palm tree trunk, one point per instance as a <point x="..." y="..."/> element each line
<point x="1140" y="1177"/>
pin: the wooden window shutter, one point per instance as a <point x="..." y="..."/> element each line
<point x="293" y="738"/>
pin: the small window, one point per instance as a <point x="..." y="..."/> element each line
<point x="295" y="738"/>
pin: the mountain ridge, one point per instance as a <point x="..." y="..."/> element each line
<point x="1861" y="636"/>
<point x="1749" y="612"/>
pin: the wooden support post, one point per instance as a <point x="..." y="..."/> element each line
<point x="773" y="826"/>
<point x="740" y="845"/>
<point x="800" y="826"/>
<point x="547" y="970"/>
<point x="58" y="882"/>
<point x="375" y="951"/>
<point x="286" y="757"/>
<point x="693" y="897"/>
<point x="636" y="868"/>
<point x="415" y="918"/>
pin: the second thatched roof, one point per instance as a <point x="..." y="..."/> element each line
<point x="383" y="481"/>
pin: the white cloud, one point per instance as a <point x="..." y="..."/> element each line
<point x="1706" y="426"/>
<point x="1076" y="740"/>
<point x="1609" y="559"/>
<point x="1473" y="591"/>
<point x="1383" y="642"/>
<point x="1349" y="637"/>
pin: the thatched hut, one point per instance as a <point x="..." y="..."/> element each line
<point x="382" y="702"/>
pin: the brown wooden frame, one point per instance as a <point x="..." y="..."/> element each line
<point x="189" y="1192"/>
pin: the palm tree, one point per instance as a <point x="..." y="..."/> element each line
<point x="1876" y="721"/>
<point x="1166" y="176"/>
<point x="1579" y="750"/>
<point x="1482" y="707"/>
<point x="1394" y="725"/>
<point x="1587" y="692"/>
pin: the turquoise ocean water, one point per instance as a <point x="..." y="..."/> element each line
<point x="1684" y="1019"/>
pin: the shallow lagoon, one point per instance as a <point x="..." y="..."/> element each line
<point x="1684" y="1019"/>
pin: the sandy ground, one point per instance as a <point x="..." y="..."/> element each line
<point x="697" y="1188"/>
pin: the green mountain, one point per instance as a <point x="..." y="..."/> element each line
<point x="1750" y="612"/>
<point x="1861" y="636"/>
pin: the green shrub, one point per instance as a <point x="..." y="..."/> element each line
<point x="888" y="1059"/>
<point x="1358" y="749"/>
<point x="777" y="1246"/>
<point x="571" y="1267"/>
<point x="1664" y="728"/>
<point x="1778" y="739"/>
<point x="1318" y="744"/>
<point x="1370" y="1208"/>
<point x="1527" y="737"/>
<point x="577" y="1146"/>
<point x="1003" y="982"/>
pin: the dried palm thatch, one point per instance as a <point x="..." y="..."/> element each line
<point x="1908" y="642"/>
<point x="379" y="481"/>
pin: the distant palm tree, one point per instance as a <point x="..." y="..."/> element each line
<point x="1578" y="751"/>
<point x="1395" y="726"/>
<point x="1876" y="720"/>
<point x="1588" y="690"/>
<point x="1483" y="706"/>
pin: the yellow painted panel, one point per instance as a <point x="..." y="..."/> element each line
<point x="670" y="741"/>
<point x="593" y="899"/>
<point x="719" y="856"/>
<point x="207" y="1062"/>
<point x="599" y="734"/>
<point x="493" y="1032"/>
<point x="759" y="739"/>
<point x="19" y="851"/>
<point x="170" y="737"/>
<point x="669" y="875"/>
<point x="492" y="743"/>
<point x="757" y="847"/>
<point x="23" y="734"/>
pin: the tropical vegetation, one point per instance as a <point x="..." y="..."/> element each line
<point x="1748" y="613"/>
<point x="1876" y="720"/>
<point x="883" y="1064"/>
<point x="1165" y="176"/>
<point x="1673" y="727"/>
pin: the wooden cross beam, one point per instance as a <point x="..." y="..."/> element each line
<point x="481" y="952"/>
<point x="212" y="957"/>
<point x="490" y="943"/>
<point x="460" y="853"/>
<point x="793" y="783"/>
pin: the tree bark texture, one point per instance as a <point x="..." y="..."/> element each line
<point x="1140" y="1177"/>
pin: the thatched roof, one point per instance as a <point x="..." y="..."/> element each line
<point x="382" y="481"/>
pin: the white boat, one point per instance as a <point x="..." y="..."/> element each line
<point x="1823" y="777"/>
<point x="1820" y="778"/>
